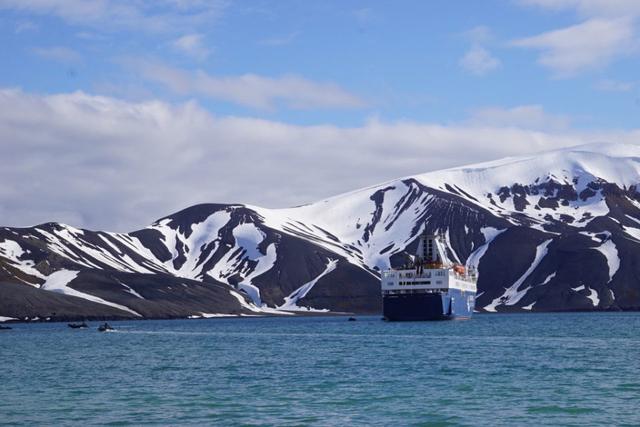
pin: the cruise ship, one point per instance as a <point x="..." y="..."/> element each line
<point x="429" y="287"/>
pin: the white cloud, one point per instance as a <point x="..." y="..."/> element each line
<point x="524" y="116"/>
<point x="145" y="15"/>
<point x="192" y="45"/>
<point x="591" y="8"/>
<point x="608" y="33"/>
<point x="251" y="90"/>
<point x="479" y="61"/>
<point x="60" y="54"/>
<point x="591" y="44"/>
<point x="101" y="162"/>
<point x="608" y="85"/>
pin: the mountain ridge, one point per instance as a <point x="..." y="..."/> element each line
<point x="541" y="229"/>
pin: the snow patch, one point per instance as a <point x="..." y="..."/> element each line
<point x="608" y="249"/>
<point x="202" y="234"/>
<point x="291" y="302"/>
<point x="252" y="291"/>
<point x="12" y="251"/>
<point x="632" y="232"/>
<point x="593" y="296"/>
<point x="254" y="308"/>
<point x="130" y="290"/>
<point x="591" y="235"/>
<point x="247" y="240"/>
<point x="248" y="237"/>
<point x="631" y="217"/>
<point x="548" y="279"/>
<point x="512" y="294"/>
<point x="489" y="234"/>
<point x="59" y="281"/>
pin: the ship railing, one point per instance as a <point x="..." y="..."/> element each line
<point x="414" y="291"/>
<point x="427" y="274"/>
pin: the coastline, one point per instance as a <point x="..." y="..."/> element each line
<point x="292" y="315"/>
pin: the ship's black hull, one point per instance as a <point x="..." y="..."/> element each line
<point x="455" y="304"/>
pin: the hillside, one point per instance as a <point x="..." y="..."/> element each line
<point x="558" y="230"/>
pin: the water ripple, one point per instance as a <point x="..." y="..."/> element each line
<point x="502" y="370"/>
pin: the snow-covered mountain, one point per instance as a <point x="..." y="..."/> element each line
<point x="558" y="230"/>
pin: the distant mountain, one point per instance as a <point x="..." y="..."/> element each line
<point x="558" y="230"/>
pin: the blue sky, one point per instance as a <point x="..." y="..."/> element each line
<point x="403" y="60"/>
<point x="293" y="80"/>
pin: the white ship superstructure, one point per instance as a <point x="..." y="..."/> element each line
<point x="429" y="286"/>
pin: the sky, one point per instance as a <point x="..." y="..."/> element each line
<point x="116" y="113"/>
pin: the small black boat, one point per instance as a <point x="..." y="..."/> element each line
<point x="105" y="327"/>
<point x="5" y="328"/>
<point x="82" y="325"/>
<point x="352" y="319"/>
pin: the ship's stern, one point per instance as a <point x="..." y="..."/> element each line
<point x="454" y="304"/>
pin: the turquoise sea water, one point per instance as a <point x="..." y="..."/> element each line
<point x="534" y="369"/>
